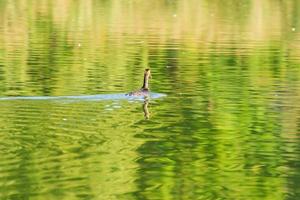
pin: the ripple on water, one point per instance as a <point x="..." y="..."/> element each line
<point x="227" y="129"/>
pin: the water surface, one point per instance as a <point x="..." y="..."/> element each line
<point x="228" y="127"/>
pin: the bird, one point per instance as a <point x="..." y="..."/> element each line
<point x="144" y="91"/>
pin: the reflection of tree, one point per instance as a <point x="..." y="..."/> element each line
<point x="41" y="62"/>
<point x="294" y="177"/>
<point x="52" y="151"/>
<point x="226" y="126"/>
<point x="224" y="131"/>
<point x="111" y="32"/>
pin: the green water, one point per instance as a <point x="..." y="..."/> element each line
<point x="229" y="127"/>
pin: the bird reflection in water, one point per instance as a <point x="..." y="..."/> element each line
<point x="145" y="109"/>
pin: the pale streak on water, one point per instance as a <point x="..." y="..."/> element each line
<point x="227" y="127"/>
<point x="96" y="97"/>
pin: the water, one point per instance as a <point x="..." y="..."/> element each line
<point x="98" y="97"/>
<point x="227" y="128"/>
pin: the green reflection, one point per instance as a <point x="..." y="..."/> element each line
<point x="228" y="129"/>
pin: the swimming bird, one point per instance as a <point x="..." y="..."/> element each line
<point x="144" y="91"/>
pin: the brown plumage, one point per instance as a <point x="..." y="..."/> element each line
<point x="144" y="91"/>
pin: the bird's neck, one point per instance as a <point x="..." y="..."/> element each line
<point x="145" y="82"/>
